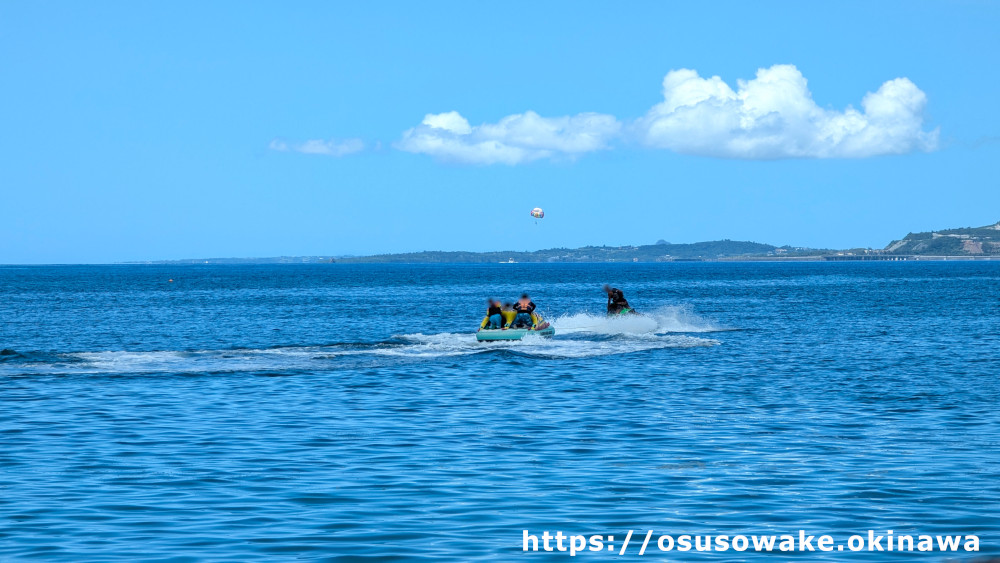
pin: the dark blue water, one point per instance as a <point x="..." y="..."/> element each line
<point x="311" y="412"/>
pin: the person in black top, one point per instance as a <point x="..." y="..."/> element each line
<point x="524" y="307"/>
<point x="494" y="314"/>
<point x="616" y="300"/>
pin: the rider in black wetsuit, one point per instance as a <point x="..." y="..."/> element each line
<point x="616" y="300"/>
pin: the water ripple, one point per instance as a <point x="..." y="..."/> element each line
<point x="834" y="398"/>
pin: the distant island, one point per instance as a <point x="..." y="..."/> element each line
<point x="661" y="252"/>
<point x="969" y="243"/>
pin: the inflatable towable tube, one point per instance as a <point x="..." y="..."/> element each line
<point x="541" y="328"/>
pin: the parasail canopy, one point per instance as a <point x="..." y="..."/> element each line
<point x="537" y="213"/>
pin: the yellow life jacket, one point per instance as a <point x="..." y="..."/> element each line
<point x="507" y="316"/>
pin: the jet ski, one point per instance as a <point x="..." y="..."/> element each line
<point x="623" y="311"/>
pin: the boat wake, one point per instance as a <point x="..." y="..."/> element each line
<point x="569" y="346"/>
<point x="577" y="336"/>
<point x="665" y="320"/>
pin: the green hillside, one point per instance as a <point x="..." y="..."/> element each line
<point x="648" y="253"/>
<point x="968" y="241"/>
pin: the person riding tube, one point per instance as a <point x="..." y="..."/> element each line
<point x="524" y="307"/>
<point x="494" y="315"/>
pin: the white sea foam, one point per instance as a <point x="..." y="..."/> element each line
<point x="659" y="321"/>
<point x="168" y="361"/>
<point x="595" y="348"/>
<point x="439" y="345"/>
<point x="456" y="344"/>
<point x="577" y="336"/>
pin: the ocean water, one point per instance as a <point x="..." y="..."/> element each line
<point x="274" y="413"/>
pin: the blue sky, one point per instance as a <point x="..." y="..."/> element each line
<point x="135" y="131"/>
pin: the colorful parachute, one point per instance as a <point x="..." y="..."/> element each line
<point x="537" y="213"/>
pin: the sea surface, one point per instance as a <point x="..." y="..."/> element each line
<point x="313" y="412"/>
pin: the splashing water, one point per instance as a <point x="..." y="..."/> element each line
<point x="577" y="336"/>
<point x="669" y="319"/>
<point x="578" y="346"/>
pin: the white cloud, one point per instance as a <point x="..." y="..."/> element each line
<point x="774" y="116"/>
<point x="514" y="139"/>
<point x="332" y="147"/>
<point x="451" y="121"/>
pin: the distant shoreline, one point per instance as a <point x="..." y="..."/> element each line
<point x="967" y="244"/>
<point x="730" y="260"/>
<point x="963" y="244"/>
<point x="822" y="258"/>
